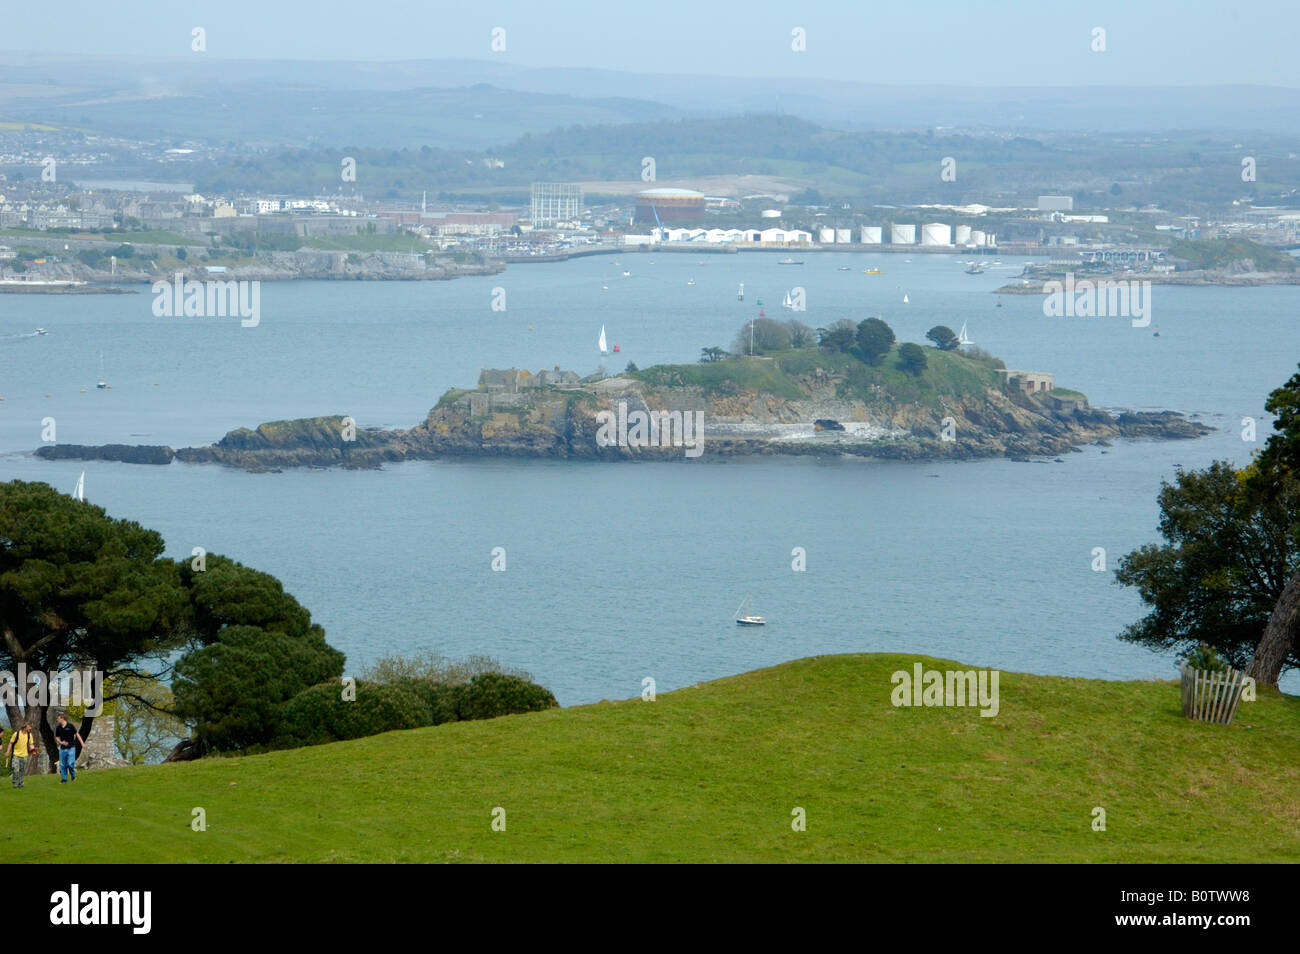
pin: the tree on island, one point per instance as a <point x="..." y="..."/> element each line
<point x="801" y="336"/>
<point x="709" y="355"/>
<point x="874" y="339"/>
<point x="944" y="338"/>
<point x="838" y="337"/>
<point x="911" y="358"/>
<point x="768" y="335"/>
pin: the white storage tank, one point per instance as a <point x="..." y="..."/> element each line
<point x="871" y="235"/>
<point x="902" y="235"/>
<point x="843" y="236"/>
<point x="936" y="233"/>
<point x="826" y="236"/>
<point x="770" y="214"/>
<point x="991" y="240"/>
<point x="962" y="235"/>
<point x="978" y="237"/>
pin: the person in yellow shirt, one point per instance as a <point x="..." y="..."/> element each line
<point x="22" y="746"/>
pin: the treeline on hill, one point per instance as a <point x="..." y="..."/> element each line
<point x="844" y="165"/>
<point x="207" y="643"/>
<point x="869" y="341"/>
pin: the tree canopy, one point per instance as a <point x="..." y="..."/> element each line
<point x="944" y="338"/>
<point x="874" y="339"/>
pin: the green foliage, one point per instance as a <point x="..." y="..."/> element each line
<point x="1281" y="452"/>
<point x="709" y="355"/>
<point x="493" y="694"/>
<point x="226" y="593"/>
<point x="1205" y="658"/>
<point x="320" y="714"/>
<point x="1229" y="553"/>
<point x="839" y="337"/>
<point x="767" y="335"/>
<point x="944" y="338"/>
<point x="801" y="336"/>
<point x="233" y="690"/>
<point x="1220" y="253"/>
<point x="874" y="339"/>
<point x="911" y="358"/>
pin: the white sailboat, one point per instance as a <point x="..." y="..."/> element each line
<point x="904" y="299"/>
<point x="102" y="383"/>
<point x="787" y="302"/>
<point x="603" y="348"/>
<point x="745" y="619"/>
<point x="740" y="294"/>
<point x="961" y="336"/>
<point x="79" y="492"/>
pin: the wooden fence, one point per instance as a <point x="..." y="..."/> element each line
<point x="1211" y="696"/>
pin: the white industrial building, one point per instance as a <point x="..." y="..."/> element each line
<point x="961" y="235"/>
<point x="978" y="237"/>
<point x="871" y="235"/>
<point x="843" y="236"/>
<point x="826" y="236"/>
<point x="902" y="235"/>
<point x="936" y="233"/>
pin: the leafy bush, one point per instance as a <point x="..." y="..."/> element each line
<point x="1205" y="658"/>
<point x="321" y="714"/>
<point x="495" y="694"/>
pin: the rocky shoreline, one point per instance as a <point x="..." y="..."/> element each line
<point x="565" y="422"/>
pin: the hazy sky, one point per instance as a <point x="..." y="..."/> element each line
<point x="1001" y="42"/>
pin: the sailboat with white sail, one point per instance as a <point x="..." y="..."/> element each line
<point x="79" y="492"/>
<point x="787" y="302"/>
<point x="102" y="383"/>
<point x="745" y="619"/>
<point x="962" y="337"/>
<point x="603" y="348"/>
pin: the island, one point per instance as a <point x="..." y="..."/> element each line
<point x="944" y="404"/>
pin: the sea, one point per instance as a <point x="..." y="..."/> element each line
<point x="611" y="573"/>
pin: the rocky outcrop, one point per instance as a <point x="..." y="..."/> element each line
<point x="628" y="418"/>
<point x="126" y="453"/>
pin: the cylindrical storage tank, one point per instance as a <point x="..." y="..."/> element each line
<point x="936" y="233"/>
<point x="962" y="236"/>
<point x="826" y="236"/>
<point x="902" y="235"/>
<point x="978" y="237"/>
<point x="991" y="240"/>
<point x="871" y="235"/>
<point x="843" y="236"/>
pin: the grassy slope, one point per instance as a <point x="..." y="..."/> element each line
<point x="711" y="773"/>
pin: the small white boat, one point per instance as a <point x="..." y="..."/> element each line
<point x="627" y="274"/>
<point x="905" y="300"/>
<point x="102" y="383"/>
<point x="690" y="281"/>
<point x="79" y="492"/>
<point x="740" y="294"/>
<point x="603" y="349"/>
<point x="41" y="331"/>
<point x="745" y="619"/>
<point x="961" y="336"/>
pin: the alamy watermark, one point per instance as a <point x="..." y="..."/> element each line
<point x="1123" y="298"/>
<point x="182" y="299"/>
<point x="651" y="429"/>
<point x="932" y="687"/>
<point x="77" y="687"/>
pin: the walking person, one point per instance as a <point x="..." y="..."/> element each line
<point x="70" y="745"/>
<point x="22" y="746"/>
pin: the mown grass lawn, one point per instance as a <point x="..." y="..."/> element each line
<point x="713" y="772"/>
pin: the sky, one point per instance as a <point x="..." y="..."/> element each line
<point x="909" y="42"/>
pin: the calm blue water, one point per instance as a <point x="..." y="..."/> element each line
<point x="616" y="572"/>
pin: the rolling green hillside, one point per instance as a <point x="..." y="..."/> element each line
<point x="713" y="773"/>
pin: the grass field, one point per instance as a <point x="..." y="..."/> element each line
<point x="713" y="773"/>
